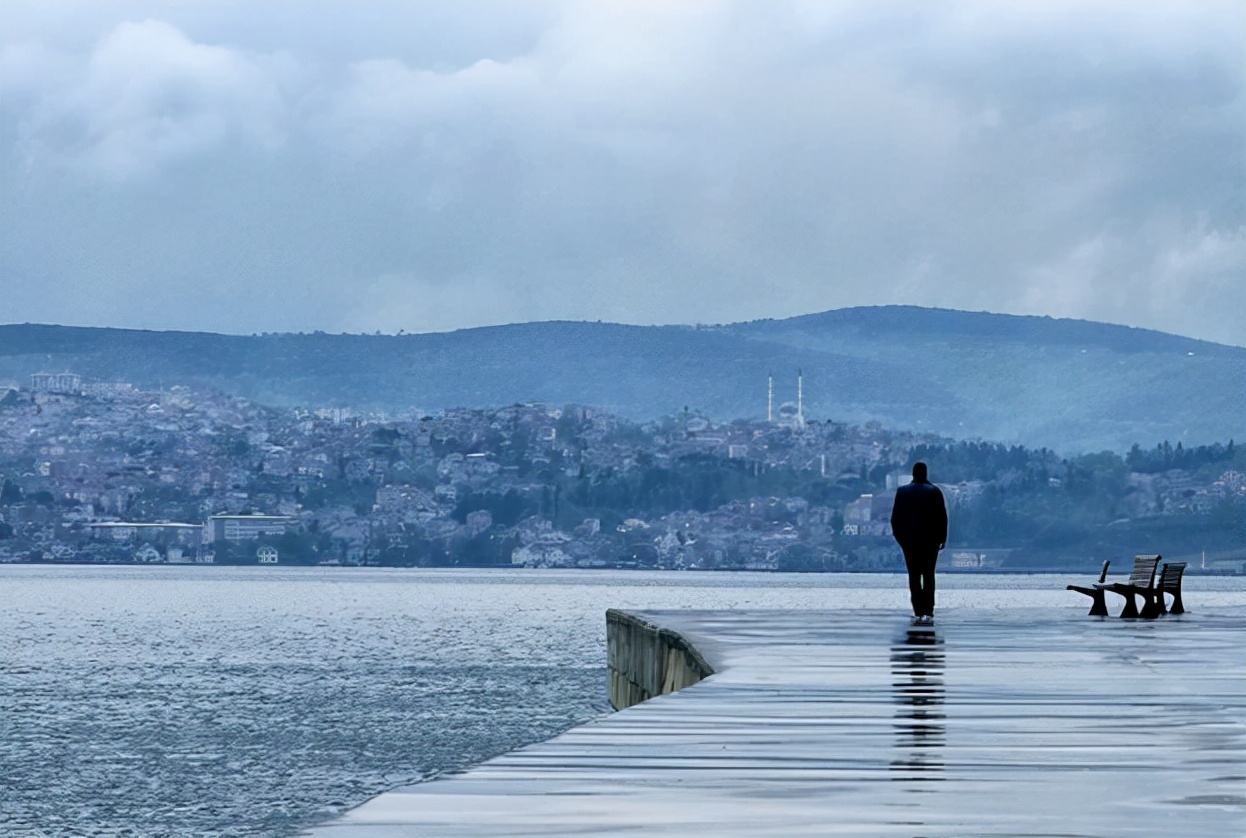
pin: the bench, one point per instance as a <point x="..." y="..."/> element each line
<point x="1098" y="608"/>
<point x="1141" y="583"/>
<point x="1170" y="583"/>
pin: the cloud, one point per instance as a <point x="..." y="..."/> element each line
<point x="628" y="161"/>
<point x="1109" y="277"/>
<point x="383" y="106"/>
<point x="1207" y="267"/>
<point x="391" y="302"/>
<point x="147" y="96"/>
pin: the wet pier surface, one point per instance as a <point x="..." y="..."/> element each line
<point x="1037" y="722"/>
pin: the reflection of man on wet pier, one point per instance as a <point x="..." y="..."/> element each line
<point x="919" y="524"/>
<point x="917" y="665"/>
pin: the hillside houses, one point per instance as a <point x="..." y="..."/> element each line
<point x="98" y="475"/>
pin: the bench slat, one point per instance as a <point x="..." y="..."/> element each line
<point x="1171" y="574"/>
<point x="1143" y="575"/>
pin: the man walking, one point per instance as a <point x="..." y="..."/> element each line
<point x="919" y="524"/>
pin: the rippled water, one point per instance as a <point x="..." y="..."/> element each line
<point x="154" y="701"/>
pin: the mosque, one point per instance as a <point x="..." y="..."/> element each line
<point x="790" y="414"/>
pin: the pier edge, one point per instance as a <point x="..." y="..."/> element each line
<point x="646" y="660"/>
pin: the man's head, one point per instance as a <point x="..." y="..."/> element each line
<point x="919" y="472"/>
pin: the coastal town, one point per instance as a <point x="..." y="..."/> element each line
<point x="110" y="472"/>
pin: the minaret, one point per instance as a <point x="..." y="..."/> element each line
<point x="770" y="398"/>
<point x="800" y="399"/>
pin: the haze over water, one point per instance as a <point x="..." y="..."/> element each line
<point x="152" y="701"/>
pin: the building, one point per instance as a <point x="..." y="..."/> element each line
<point x="55" y="382"/>
<point x="972" y="558"/>
<point x="896" y="479"/>
<point x="790" y="414"/>
<point x="246" y="527"/>
<point x="869" y="508"/>
<point x="478" y="522"/>
<point x="164" y="541"/>
<point x="869" y="515"/>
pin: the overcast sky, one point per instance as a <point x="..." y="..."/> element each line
<point x="243" y="166"/>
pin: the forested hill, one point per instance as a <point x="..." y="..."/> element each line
<point x="1070" y="385"/>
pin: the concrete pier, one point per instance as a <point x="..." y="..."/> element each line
<point x="646" y="660"/>
<point x="1031" y="722"/>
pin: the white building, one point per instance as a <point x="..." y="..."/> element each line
<point x="55" y="382"/>
<point x="246" y="527"/>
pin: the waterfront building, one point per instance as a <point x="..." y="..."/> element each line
<point x="55" y="382"/>
<point x="161" y="541"/>
<point x="245" y="527"/>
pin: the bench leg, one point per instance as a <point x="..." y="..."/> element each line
<point x="1177" y="607"/>
<point x="1152" y="605"/>
<point x="1098" y="605"/>
<point x="1131" y="607"/>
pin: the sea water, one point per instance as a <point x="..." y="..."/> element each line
<point x="213" y="701"/>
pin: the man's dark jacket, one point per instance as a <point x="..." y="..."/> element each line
<point x="919" y="516"/>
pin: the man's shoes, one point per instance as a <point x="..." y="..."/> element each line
<point x="924" y="620"/>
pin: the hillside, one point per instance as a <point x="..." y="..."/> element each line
<point x="1069" y="385"/>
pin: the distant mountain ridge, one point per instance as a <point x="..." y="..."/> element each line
<point x="1070" y="385"/>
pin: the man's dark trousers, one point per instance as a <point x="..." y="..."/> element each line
<point x="920" y="562"/>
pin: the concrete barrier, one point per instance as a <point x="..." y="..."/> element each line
<point x="646" y="660"/>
